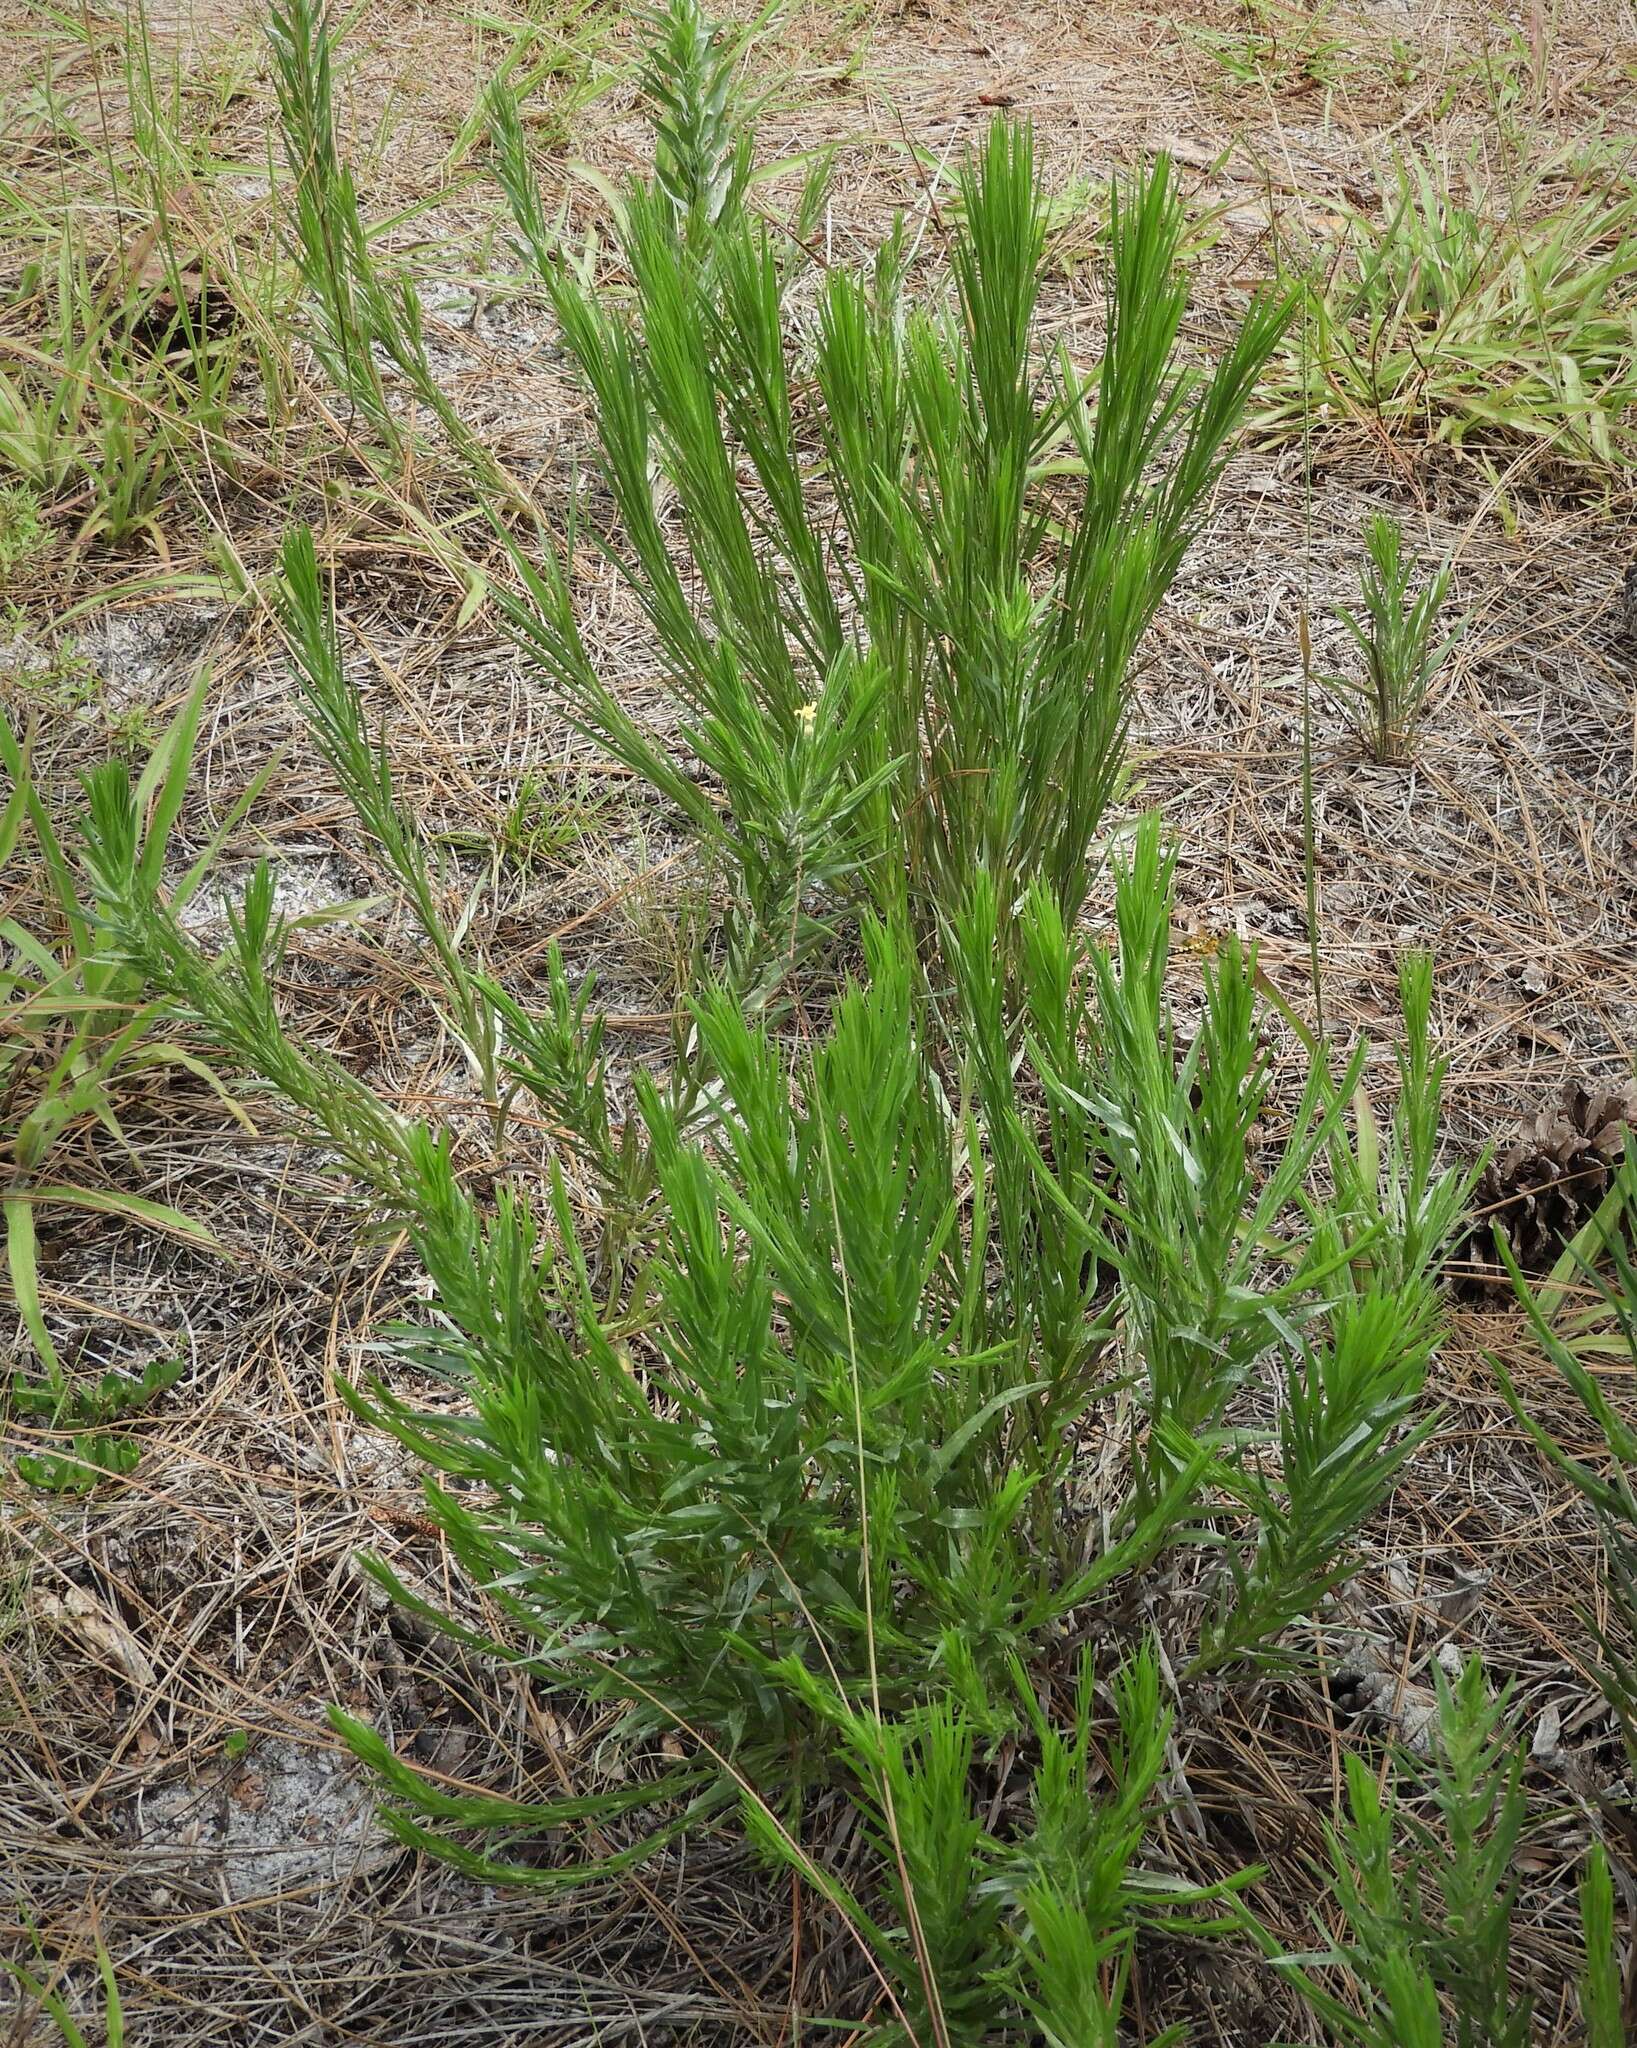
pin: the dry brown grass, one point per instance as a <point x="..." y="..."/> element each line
<point x="243" y="1894"/>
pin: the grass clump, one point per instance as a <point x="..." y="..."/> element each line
<point x="131" y="311"/>
<point x="103" y="394"/>
<point x="1279" y="49"/>
<point x="77" y="1029"/>
<point x="1483" y="315"/>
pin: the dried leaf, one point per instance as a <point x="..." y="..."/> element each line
<point x="102" y="1633"/>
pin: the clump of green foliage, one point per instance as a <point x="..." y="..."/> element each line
<point x="901" y="655"/>
<point x="783" y="1468"/>
<point x="359" y="321"/>
<point x="1278" y="49"/>
<point x="1585" y="1320"/>
<point x="77" y="1029"/>
<point x="1424" y="1869"/>
<point x="805" y="1492"/>
<point x="1398" y="637"/>
<point x="1475" y="314"/>
<point x="90" y="404"/>
<point x="22" y="531"/>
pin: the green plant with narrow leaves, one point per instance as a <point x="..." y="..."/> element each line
<point x="103" y="392"/>
<point x="990" y="1935"/>
<point x="79" y="1026"/>
<point x="356" y="314"/>
<point x="1387" y="1175"/>
<point x="77" y="1031"/>
<point x="1348" y="1424"/>
<point x="364" y="321"/>
<point x="1467" y="1878"/>
<point x="903" y="645"/>
<point x="946" y="667"/>
<point x="1278" y="49"/>
<point x="534" y="830"/>
<point x="552" y="68"/>
<point x="802" y="1489"/>
<point x="1175" y="1204"/>
<point x="691" y="83"/>
<point x="704" y="146"/>
<point x="1397" y="2004"/>
<point x="335" y="719"/>
<point x="1493" y="316"/>
<point x="1426" y="1903"/>
<point x="49" y="2000"/>
<point x="1398" y="638"/>
<point x="851" y="1441"/>
<point x="1585" y="1321"/>
<point x="1602" y="1993"/>
<point x="780" y="1466"/>
<point x="1185" y="1211"/>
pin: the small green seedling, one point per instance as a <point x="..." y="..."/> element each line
<point x="1398" y="637"/>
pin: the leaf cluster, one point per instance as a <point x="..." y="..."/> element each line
<point x="899" y="637"/>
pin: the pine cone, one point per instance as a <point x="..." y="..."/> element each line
<point x="1543" y="1188"/>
